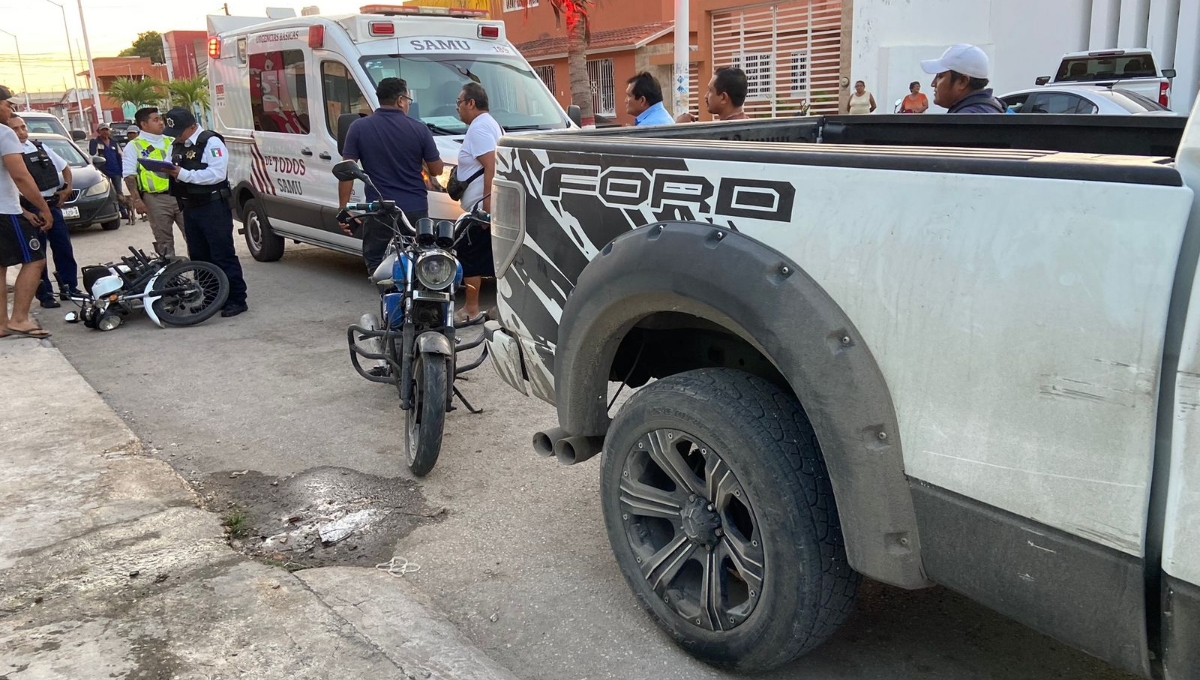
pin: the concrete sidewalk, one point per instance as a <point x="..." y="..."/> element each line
<point x="109" y="567"/>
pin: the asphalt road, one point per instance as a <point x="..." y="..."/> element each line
<point x="511" y="546"/>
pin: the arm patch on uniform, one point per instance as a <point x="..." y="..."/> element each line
<point x="216" y="153"/>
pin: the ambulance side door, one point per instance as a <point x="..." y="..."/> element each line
<point x="337" y="93"/>
<point x="283" y="156"/>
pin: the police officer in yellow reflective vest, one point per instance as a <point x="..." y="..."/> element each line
<point x="200" y="181"/>
<point x="149" y="190"/>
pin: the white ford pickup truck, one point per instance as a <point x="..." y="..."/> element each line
<point x="961" y="350"/>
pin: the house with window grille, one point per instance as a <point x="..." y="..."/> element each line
<point x="802" y="55"/>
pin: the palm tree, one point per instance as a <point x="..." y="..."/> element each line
<point x="139" y="93"/>
<point x="189" y="93"/>
<point x="579" y="34"/>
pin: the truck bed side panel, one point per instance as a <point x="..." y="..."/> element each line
<point x="1017" y="320"/>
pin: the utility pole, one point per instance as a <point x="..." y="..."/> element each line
<point x="21" y="65"/>
<point x="87" y="45"/>
<point x="682" y="55"/>
<point x="227" y="9"/>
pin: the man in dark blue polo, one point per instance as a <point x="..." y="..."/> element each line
<point x="392" y="148"/>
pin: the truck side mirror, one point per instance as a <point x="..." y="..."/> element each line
<point x="343" y="126"/>
<point x="1041" y="80"/>
<point x="78" y="136"/>
<point x="1168" y="73"/>
<point x="98" y="162"/>
<point x="575" y="114"/>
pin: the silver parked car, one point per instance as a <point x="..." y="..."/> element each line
<point x="1084" y="99"/>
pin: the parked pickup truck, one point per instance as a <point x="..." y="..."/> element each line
<point x="865" y="348"/>
<point x="1134" y="70"/>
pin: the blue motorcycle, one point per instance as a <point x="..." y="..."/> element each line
<point x="412" y="342"/>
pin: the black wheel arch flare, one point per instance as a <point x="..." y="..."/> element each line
<point x="756" y="292"/>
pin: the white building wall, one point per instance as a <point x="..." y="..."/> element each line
<point x="1023" y="38"/>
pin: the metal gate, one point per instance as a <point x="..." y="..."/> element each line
<point x="790" y="51"/>
<point x="604" y="93"/>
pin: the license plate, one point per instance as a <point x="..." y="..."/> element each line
<point x="69" y="213"/>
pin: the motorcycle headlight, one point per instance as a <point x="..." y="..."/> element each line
<point x="435" y="270"/>
<point x="98" y="189"/>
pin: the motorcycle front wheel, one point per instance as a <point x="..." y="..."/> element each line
<point x="426" y="419"/>
<point x="200" y="290"/>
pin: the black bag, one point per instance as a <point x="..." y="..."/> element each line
<point x="457" y="188"/>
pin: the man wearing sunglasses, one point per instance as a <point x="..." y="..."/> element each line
<point x="393" y="148"/>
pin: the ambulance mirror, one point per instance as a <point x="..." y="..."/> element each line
<point x="576" y="116"/>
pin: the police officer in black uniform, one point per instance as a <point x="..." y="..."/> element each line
<point x="199" y="181"/>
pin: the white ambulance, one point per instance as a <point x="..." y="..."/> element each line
<point x="278" y="88"/>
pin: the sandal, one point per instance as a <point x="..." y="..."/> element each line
<point x="34" y="333"/>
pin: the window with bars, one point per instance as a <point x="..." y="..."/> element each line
<point x="758" y="68"/>
<point x="518" y="5"/>
<point x="604" y="92"/>
<point x="546" y="73"/>
<point x="799" y="72"/>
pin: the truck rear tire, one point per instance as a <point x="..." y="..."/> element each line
<point x="264" y="244"/>
<point x="722" y="518"/>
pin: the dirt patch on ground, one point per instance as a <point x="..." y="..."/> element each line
<point x="321" y="517"/>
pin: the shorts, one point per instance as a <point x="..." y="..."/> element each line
<point x="474" y="251"/>
<point x="20" y="241"/>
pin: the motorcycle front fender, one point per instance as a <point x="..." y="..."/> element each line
<point x="149" y="300"/>
<point x="433" y="342"/>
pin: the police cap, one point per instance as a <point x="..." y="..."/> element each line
<point x="178" y="119"/>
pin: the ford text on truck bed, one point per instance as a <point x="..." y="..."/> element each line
<point x="866" y="348"/>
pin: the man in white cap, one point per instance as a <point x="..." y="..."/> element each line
<point x="960" y="79"/>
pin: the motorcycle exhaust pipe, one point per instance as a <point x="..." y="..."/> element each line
<point x="543" y="442"/>
<point x="572" y="450"/>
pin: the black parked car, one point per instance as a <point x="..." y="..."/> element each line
<point x="93" y="198"/>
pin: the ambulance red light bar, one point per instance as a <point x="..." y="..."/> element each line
<point x="487" y="31"/>
<point x="214" y="47"/>
<point x="389" y="10"/>
<point x="316" y="37"/>
<point x="381" y="28"/>
<point x="469" y="13"/>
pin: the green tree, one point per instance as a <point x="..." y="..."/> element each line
<point x="148" y="44"/>
<point x="189" y="92"/>
<point x="577" y="14"/>
<point x="140" y="93"/>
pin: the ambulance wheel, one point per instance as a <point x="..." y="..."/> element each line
<point x="264" y="244"/>
<point x="111" y="225"/>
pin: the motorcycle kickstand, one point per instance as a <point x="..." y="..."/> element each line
<point x="466" y="403"/>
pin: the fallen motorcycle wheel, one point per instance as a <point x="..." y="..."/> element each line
<point x="198" y="290"/>
<point x="722" y="518"/>
<point x="424" y="422"/>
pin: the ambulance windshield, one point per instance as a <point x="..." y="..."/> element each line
<point x="516" y="98"/>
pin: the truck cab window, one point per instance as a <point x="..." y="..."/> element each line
<point x="342" y="95"/>
<point x="279" y="92"/>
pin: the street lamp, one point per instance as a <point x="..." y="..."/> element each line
<point x="21" y="65"/>
<point x="71" y="53"/>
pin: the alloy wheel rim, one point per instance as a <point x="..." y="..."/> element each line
<point x="692" y="530"/>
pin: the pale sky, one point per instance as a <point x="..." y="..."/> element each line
<point x="112" y="26"/>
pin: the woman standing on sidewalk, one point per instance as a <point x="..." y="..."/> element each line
<point x="861" y="101"/>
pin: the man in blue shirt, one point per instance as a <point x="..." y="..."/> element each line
<point x="392" y="148"/>
<point x="105" y="146"/>
<point x="643" y="101"/>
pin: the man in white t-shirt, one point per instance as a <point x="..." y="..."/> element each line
<point x="58" y="238"/>
<point x="19" y="230"/>
<point x="476" y="167"/>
